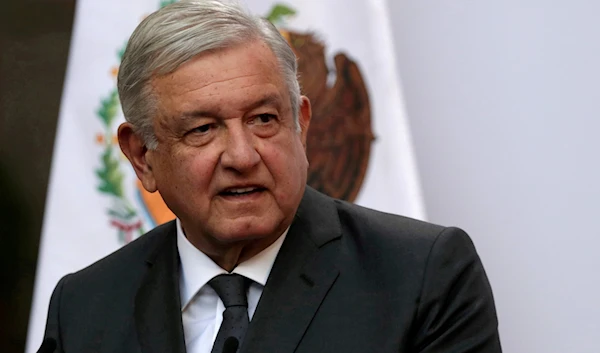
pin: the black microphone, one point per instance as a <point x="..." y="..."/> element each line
<point x="231" y="345"/>
<point x="48" y="345"/>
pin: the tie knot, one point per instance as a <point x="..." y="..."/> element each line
<point x="231" y="288"/>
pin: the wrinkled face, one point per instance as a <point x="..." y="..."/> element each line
<point x="230" y="163"/>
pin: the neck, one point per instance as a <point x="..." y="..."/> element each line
<point x="229" y="255"/>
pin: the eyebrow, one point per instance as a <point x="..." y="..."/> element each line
<point x="268" y="100"/>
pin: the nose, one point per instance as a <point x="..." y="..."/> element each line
<point x="240" y="153"/>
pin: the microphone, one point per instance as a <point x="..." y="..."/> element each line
<point x="231" y="345"/>
<point x="48" y="345"/>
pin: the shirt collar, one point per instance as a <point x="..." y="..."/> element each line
<point x="197" y="268"/>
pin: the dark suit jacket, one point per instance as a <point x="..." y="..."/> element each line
<point x="347" y="279"/>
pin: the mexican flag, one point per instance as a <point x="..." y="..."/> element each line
<point x="359" y="144"/>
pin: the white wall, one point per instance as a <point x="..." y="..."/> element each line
<point x="503" y="99"/>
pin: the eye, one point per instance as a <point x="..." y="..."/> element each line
<point x="264" y="125"/>
<point x="264" y="118"/>
<point x="202" y="129"/>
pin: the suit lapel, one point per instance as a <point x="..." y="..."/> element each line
<point x="157" y="304"/>
<point x="300" y="279"/>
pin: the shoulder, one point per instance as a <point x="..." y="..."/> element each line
<point x="126" y="262"/>
<point x="395" y="241"/>
<point x="385" y="227"/>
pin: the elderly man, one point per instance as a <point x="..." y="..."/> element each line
<point x="256" y="261"/>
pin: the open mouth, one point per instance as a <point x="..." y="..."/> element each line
<point x="242" y="191"/>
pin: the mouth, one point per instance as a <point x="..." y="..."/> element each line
<point x="241" y="191"/>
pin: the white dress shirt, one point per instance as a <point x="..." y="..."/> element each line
<point x="201" y="307"/>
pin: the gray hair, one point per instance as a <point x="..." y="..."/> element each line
<point x="175" y="34"/>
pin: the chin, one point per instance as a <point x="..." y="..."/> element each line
<point x="242" y="230"/>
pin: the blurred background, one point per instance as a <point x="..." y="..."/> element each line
<point x="34" y="46"/>
<point x="502" y="99"/>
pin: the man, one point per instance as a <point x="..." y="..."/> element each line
<point x="256" y="260"/>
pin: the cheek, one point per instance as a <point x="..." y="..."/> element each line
<point x="287" y="163"/>
<point x="200" y="171"/>
<point x="187" y="171"/>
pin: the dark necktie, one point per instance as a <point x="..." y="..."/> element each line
<point x="232" y="291"/>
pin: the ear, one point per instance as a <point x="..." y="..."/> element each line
<point x="304" y="116"/>
<point x="135" y="149"/>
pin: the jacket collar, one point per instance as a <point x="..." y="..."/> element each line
<point x="157" y="304"/>
<point x="300" y="279"/>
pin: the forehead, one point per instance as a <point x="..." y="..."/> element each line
<point x="227" y="78"/>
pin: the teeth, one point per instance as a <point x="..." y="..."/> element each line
<point x="241" y="191"/>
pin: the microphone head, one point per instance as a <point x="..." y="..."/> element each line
<point x="48" y="345"/>
<point x="231" y="345"/>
